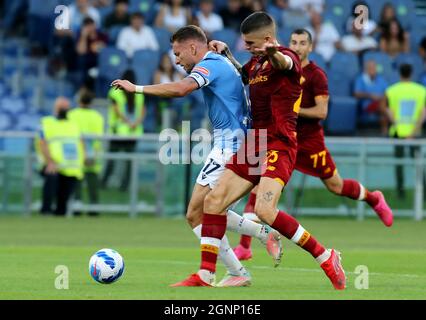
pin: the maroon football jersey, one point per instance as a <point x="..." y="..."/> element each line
<point x="275" y="97"/>
<point x="314" y="83"/>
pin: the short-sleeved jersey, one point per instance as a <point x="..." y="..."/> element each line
<point x="275" y="97"/>
<point x="225" y="97"/>
<point x="314" y="83"/>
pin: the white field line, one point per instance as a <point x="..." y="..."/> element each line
<point x="401" y="275"/>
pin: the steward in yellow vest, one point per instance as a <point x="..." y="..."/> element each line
<point x="62" y="152"/>
<point x="406" y="101"/>
<point x="126" y="113"/>
<point x="90" y="122"/>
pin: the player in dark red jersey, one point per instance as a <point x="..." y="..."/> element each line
<point x="274" y="75"/>
<point x="313" y="157"/>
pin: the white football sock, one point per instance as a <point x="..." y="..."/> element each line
<point x="226" y="255"/>
<point x="241" y="225"/>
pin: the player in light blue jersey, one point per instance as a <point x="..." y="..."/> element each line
<point x="228" y="106"/>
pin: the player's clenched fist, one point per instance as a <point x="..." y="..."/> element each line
<point x="268" y="49"/>
<point x="124" y="84"/>
<point x="217" y="46"/>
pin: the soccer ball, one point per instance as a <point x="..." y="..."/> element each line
<point x="106" y="266"/>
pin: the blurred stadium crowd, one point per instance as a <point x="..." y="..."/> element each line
<point x="105" y="38"/>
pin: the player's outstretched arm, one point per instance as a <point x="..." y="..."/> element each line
<point x="165" y="90"/>
<point x="222" y="48"/>
<point x="278" y="60"/>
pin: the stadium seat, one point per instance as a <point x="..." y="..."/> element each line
<point x="113" y="34"/>
<point x="383" y="61"/>
<point x="229" y="36"/>
<point x="148" y="8"/>
<point x="405" y="12"/>
<point x="413" y="59"/>
<point x="5" y="121"/>
<point x="284" y="36"/>
<point x="163" y="38"/>
<point x="337" y="11"/>
<point x="13" y="105"/>
<point x="346" y="63"/>
<point x="318" y="59"/>
<point x="375" y="7"/>
<point x="28" y="122"/>
<point x="144" y="64"/>
<point x="342" y="115"/>
<point x="242" y="56"/>
<point x="339" y="84"/>
<point x="112" y="63"/>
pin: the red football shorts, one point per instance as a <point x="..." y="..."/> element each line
<point x="275" y="164"/>
<point x="314" y="159"/>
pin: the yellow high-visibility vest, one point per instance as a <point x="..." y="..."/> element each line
<point x="64" y="143"/>
<point x="90" y="122"/>
<point x="406" y="101"/>
<point x="118" y="126"/>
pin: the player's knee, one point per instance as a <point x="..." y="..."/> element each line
<point x="213" y="202"/>
<point x="264" y="211"/>
<point x="334" y="187"/>
<point x="194" y="215"/>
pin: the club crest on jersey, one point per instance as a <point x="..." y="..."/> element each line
<point x="201" y="70"/>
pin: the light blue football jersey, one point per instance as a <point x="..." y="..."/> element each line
<point x="225" y="97"/>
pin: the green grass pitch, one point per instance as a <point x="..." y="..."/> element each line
<point x="158" y="252"/>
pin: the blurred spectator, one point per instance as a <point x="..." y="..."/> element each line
<point x="234" y="14"/>
<point x="80" y="10"/>
<point x="370" y="89"/>
<point x="126" y="114"/>
<point x="275" y="9"/>
<point x="137" y="36"/>
<point x="369" y="26"/>
<point x="325" y="35"/>
<point x="422" y="52"/>
<point x="90" y="42"/>
<point x="120" y="16"/>
<point x="90" y="122"/>
<point x="307" y="5"/>
<point x="173" y="15"/>
<point x="405" y="104"/>
<point x="166" y="74"/>
<point x="387" y="14"/>
<point x="206" y="19"/>
<point x="60" y="149"/>
<point x="357" y="42"/>
<point x="394" y="40"/>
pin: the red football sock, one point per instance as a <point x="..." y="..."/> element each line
<point x="212" y="231"/>
<point x="245" y="241"/>
<point x="352" y="189"/>
<point x="291" y="229"/>
<point x="250" y="203"/>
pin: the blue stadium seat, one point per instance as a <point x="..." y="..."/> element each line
<point x="339" y="84"/>
<point x="337" y="11"/>
<point x="163" y="38"/>
<point x="242" y="56"/>
<point x="28" y="122"/>
<point x="342" y="115"/>
<point x="405" y="12"/>
<point x="144" y="64"/>
<point x="413" y="59"/>
<point x="375" y="7"/>
<point x="383" y="61"/>
<point x="5" y="121"/>
<point x="284" y="36"/>
<point x="149" y="8"/>
<point x="13" y="105"/>
<point x="346" y="63"/>
<point x="112" y="62"/>
<point x="318" y="59"/>
<point x="113" y="33"/>
<point x="229" y="36"/>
